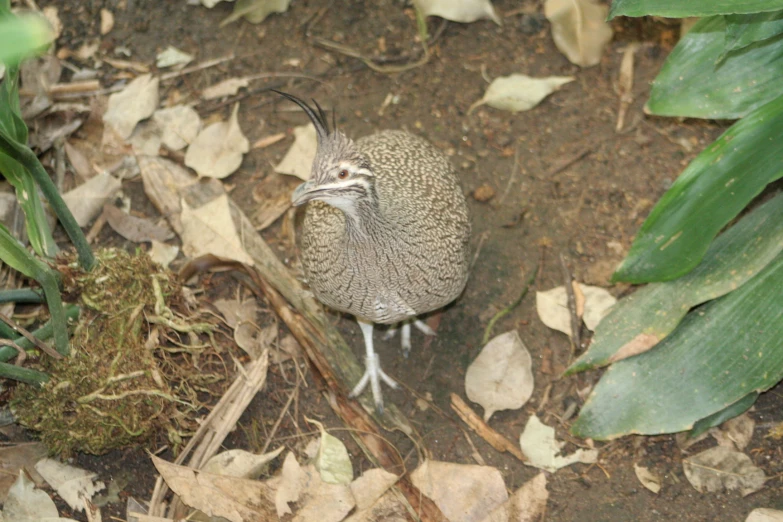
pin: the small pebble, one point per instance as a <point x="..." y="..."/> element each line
<point x="483" y="193"/>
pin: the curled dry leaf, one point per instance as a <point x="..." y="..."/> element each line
<point x="107" y="21"/>
<point x="172" y="56"/>
<point x="86" y="201"/>
<point x="501" y="377"/>
<point x="134" y="103"/>
<point x="647" y="478"/>
<point x="527" y="504"/>
<point x="735" y="433"/>
<point x="179" y="126"/>
<point x="720" y="468"/>
<point x="210" y="229"/>
<point x="145" y="140"/>
<point x="217" y="150"/>
<point x="552" y="307"/>
<point x="16" y="457"/>
<point x="464" y="11"/>
<point x="371" y="486"/>
<point x="463" y="492"/>
<point x="162" y="253"/>
<point x="538" y="443"/>
<point x="72" y="484"/>
<point x="579" y="29"/>
<point x="256" y="11"/>
<point x="25" y="502"/>
<point x="298" y="161"/>
<point x="332" y="460"/>
<point x="240" y="463"/>
<point x="227" y="87"/>
<point x="519" y="92"/>
<point x="79" y="161"/>
<point x="134" y="228"/>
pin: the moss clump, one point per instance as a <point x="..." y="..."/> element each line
<point x="110" y="392"/>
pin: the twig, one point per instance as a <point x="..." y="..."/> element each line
<point x="198" y="67"/>
<point x="30" y="337"/>
<point x="511" y="177"/>
<point x="482" y="239"/>
<point x="493" y="438"/>
<point x="273" y="431"/>
<point x="509" y="308"/>
<point x="560" y="166"/>
<point x="575" y="323"/>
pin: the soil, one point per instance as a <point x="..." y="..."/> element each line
<point x="564" y="182"/>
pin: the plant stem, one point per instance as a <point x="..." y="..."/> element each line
<point x="21" y="295"/>
<point x="27" y="375"/>
<point x="43" y="333"/>
<point x="29" y="160"/>
<point x="506" y="310"/>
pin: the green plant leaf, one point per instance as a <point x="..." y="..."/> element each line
<point x="745" y="29"/>
<point x="638" y="322"/>
<point x="709" y="193"/>
<point x="729" y="412"/>
<point x="719" y="354"/>
<point x="22" y="37"/>
<point x="698" y="81"/>
<point x="682" y="8"/>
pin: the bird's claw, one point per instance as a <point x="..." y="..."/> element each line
<point x="373" y="374"/>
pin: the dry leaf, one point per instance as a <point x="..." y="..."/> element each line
<point x="519" y="92"/>
<point x="172" y="56"/>
<point x="298" y="161"/>
<point x="765" y="515"/>
<point x="86" y="201"/>
<point x="134" y="228"/>
<point x="236" y="499"/>
<point x="735" y="433"/>
<point x="227" y="87"/>
<point x="179" y="126"/>
<point x="107" y="21"/>
<point x="647" y="478"/>
<point x="131" y="105"/>
<point x="371" y="486"/>
<point x="17" y="457"/>
<point x="579" y="29"/>
<point x="527" y="504"/>
<point x="290" y="485"/>
<point x="463" y="492"/>
<point x="388" y="508"/>
<point x="52" y="16"/>
<point x="273" y="197"/>
<point x="240" y="463"/>
<point x="236" y="312"/>
<point x="145" y="139"/>
<point x="217" y="150"/>
<point x="210" y="229"/>
<point x="256" y="11"/>
<point x="464" y="11"/>
<point x="162" y="253"/>
<point x="332" y="461"/>
<point x="552" y="307"/>
<point x="72" y="484"/>
<point x="720" y="468"/>
<point x="79" y="161"/>
<point x="625" y="84"/>
<point x="538" y="443"/>
<point x="25" y="503"/>
<point x="501" y="377"/>
<point x="164" y="181"/>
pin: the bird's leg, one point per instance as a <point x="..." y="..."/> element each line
<point x="372" y="372"/>
<point x="406" y="333"/>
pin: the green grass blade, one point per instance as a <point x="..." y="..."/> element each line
<point x="746" y="29"/>
<point x="683" y="8"/>
<point x="698" y="81"/>
<point x="639" y="321"/>
<point x="719" y="354"/>
<point x="709" y="193"/>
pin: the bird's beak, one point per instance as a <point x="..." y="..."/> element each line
<point x="303" y="193"/>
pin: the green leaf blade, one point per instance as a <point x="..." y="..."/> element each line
<point x="22" y="37"/>
<point x="682" y="9"/>
<point x="719" y="354"/>
<point x="710" y="192"/>
<point x="746" y="29"/>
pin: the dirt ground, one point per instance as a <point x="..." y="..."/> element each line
<point x="565" y="182"/>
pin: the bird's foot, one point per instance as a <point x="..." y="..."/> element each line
<point x="373" y="374"/>
<point x="406" y="334"/>
<point x="424" y="327"/>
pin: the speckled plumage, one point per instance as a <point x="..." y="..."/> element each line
<point x="407" y="253"/>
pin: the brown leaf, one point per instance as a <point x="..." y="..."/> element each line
<point x="720" y="468"/>
<point x="273" y="195"/>
<point x="134" y="228"/>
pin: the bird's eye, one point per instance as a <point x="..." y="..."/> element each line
<point x="342" y="174"/>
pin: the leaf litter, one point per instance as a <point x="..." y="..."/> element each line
<point x="543" y="450"/>
<point x="217" y="150"/>
<point x="579" y="29"/>
<point x="722" y="469"/>
<point x="519" y="92"/>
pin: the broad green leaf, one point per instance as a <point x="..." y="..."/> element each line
<point x="17" y="257"/>
<point x="729" y="412"/>
<point x="719" y="354"/>
<point x="638" y="322"/>
<point x="684" y="8"/>
<point x="22" y="37"/>
<point x="745" y="29"/>
<point x="709" y="193"/>
<point x="698" y="81"/>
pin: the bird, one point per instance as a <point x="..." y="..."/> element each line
<point x="385" y="235"/>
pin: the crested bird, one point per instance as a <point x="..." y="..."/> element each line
<point x="385" y="235"/>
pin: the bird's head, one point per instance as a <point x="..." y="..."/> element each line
<point x="341" y="176"/>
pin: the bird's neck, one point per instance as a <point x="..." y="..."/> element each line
<point x="364" y="220"/>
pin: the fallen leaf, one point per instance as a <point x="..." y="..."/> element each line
<point x="579" y="29"/>
<point x="273" y="197"/>
<point x="134" y="228"/>
<point x="332" y="460"/>
<point x="254" y="340"/>
<point x="625" y="84"/>
<point x="552" y="307"/>
<point x="388" y="508"/>
<point x="227" y="87"/>
<point x="519" y="92"/>
<point x="464" y="11"/>
<point x="371" y="486"/>
<point x="527" y="504"/>
<point x="25" y="503"/>
<point x="86" y="201"/>
<point x="162" y="253"/>
<point x="720" y="468"/>
<point x="17" y="457"/>
<point x="291" y="483"/>
<point x="236" y="312"/>
<point x="72" y="484"/>
<point x="145" y="139"/>
<point x="735" y="433"/>
<point x="256" y="11"/>
<point x="298" y="161"/>
<point x="240" y="463"/>
<point x="131" y="105"/>
<point x="107" y="21"/>
<point x="765" y="515"/>
<point x="538" y="443"/>
<point x="79" y="161"/>
<point x="50" y="12"/>
<point x="179" y="126"/>
<point x="463" y="492"/>
<point x="210" y="229"/>
<point x="217" y="150"/>
<point x="501" y="377"/>
<point x="172" y="56"/>
<point x="164" y="182"/>
<point x="37" y="76"/>
<point x="647" y="478"/>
